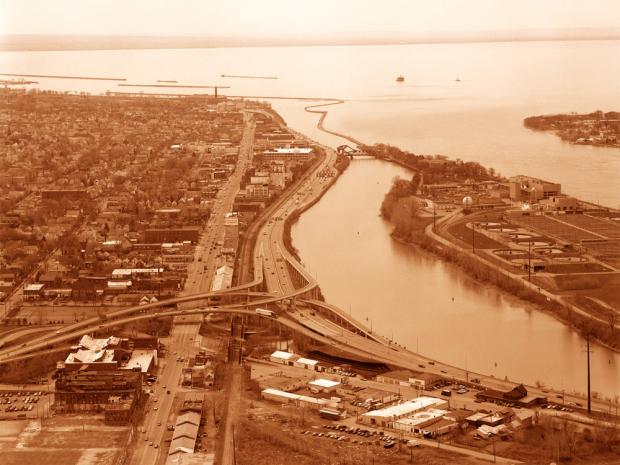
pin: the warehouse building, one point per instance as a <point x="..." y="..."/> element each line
<point x="387" y="416"/>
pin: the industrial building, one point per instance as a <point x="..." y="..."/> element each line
<point x="160" y="236"/>
<point x="111" y="353"/>
<point x="117" y="393"/>
<point x="323" y="385"/>
<point x="408" y="378"/>
<point x="387" y="416"/>
<point x="314" y="403"/>
<point x="530" y="190"/>
<point x="184" y="436"/>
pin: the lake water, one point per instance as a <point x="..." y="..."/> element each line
<point x="479" y="118"/>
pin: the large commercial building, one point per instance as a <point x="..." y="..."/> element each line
<point x="160" y="236"/>
<point x="115" y="392"/>
<point x="387" y="416"/>
<point x="530" y="190"/>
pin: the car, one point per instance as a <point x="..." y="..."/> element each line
<point x="156" y="446"/>
<point x="155" y="408"/>
<point x="421" y="365"/>
<point x="151" y="443"/>
<point x="146" y="439"/>
<point x="159" y="423"/>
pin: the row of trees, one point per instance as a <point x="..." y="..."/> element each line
<point x="400" y="206"/>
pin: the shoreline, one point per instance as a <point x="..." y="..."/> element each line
<point x="530" y="304"/>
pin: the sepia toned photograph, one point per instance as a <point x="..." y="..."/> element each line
<point x="323" y="232"/>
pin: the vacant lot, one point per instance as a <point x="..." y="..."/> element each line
<point x="63" y="440"/>
<point x="269" y="443"/>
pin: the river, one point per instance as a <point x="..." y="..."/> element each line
<point x="343" y="240"/>
<point x="428" y="305"/>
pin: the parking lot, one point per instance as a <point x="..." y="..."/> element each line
<point x="23" y="404"/>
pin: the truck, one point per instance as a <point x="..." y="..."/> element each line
<point x="263" y="312"/>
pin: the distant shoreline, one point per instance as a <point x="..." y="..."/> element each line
<point x="41" y="43"/>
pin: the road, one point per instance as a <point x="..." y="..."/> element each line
<point x="184" y="338"/>
<point x="271" y="256"/>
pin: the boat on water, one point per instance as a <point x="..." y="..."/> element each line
<point x="457" y="79"/>
<point x="164" y="80"/>
<point x="400" y="79"/>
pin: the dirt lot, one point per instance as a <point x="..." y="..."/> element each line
<point x="270" y="434"/>
<point x="64" y="440"/>
<point x="267" y="443"/>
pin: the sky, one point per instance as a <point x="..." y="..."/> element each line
<point x="299" y="17"/>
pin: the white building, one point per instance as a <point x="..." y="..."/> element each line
<point x="286" y="358"/>
<point x="306" y="363"/>
<point x="284" y="397"/>
<point x="386" y="416"/>
<point x="323" y="385"/>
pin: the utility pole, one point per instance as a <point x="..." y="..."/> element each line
<point x="434" y="215"/>
<point x="529" y="260"/>
<point x="473" y="229"/>
<point x="589" y="393"/>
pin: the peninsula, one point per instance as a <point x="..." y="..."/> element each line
<point x="597" y="128"/>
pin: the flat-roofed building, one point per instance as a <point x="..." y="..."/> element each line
<point x="386" y="416"/>
<point x="159" y="236"/>
<point x="286" y="358"/>
<point x="306" y="363"/>
<point x="529" y="189"/>
<point x="323" y="385"/>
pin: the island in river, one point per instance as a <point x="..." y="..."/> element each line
<point x="597" y="128"/>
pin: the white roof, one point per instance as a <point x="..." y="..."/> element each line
<point x="36" y="287"/>
<point x="400" y="410"/>
<point x="290" y="395"/>
<point x="421" y="417"/>
<point x="283" y="355"/>
<point x="141" y="359"/>
<point x="91" y="356"/>
<point x="307" y="361"/>
<point x="277" y="392"/>
<point x="222" y="278"/>
<point x="293" y="150"/>
<point x="129" y="271"/>
<point x="324" y="383"/>
<point x="119" y="284"/>
<point x="87" y="342"/>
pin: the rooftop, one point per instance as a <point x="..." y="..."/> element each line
<point x="324" y="383"/>
<point x="408" y="407"/>
<point x="282" y="355"/>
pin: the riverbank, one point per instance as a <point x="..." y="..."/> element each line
<point x="473" y="251"/>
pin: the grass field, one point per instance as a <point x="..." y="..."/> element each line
<point x="463" y="233"/>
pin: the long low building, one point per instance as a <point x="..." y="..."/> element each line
<point x="184" y="436"/>
<point x="387" y="416"/>
<point x="299" y="400"/>
<point x="419" y="420"/>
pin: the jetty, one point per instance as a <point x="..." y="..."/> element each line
<point x="247" y="77"/>
<point x="53" y="76"/>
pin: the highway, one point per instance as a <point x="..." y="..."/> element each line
<point x="183" y="341"/>
<point x="274" y="265"/>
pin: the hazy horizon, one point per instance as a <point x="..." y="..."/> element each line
<point x="50" y="42"/>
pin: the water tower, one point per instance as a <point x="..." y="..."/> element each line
<point x="467" y="203"/>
